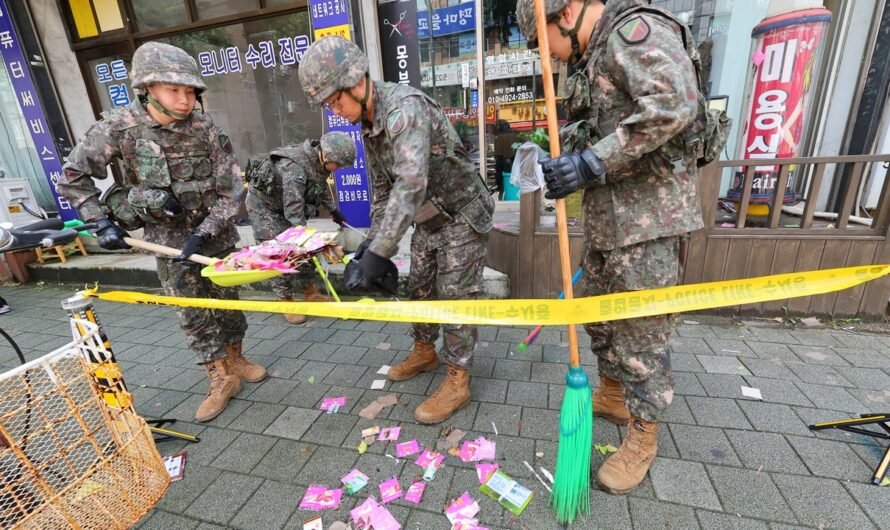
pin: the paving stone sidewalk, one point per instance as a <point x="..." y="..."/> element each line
<point x="725" y="461"/>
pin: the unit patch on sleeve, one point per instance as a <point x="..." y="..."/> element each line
<point x="634" y="31"/>
<point x="225" y="143"/>
<point x="395" y="122"/>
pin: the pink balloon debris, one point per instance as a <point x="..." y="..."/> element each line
<point x="321" y="498"/>
<point x="286" y="252"/>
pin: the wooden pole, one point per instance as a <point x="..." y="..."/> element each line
<point x="553" y="131"/>
<point x="161" y="249"/>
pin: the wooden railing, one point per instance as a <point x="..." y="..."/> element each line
<point x="738" y="244"/>
<point x="849" y="174"/>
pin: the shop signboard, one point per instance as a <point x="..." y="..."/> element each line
<point x="447" y="20"/>
<point x="398" y="42"/>
<point x="29" y="102"/>
<point x="328" y="13"/>
<point x="505" y="66"/>
<point x="331" y="17"/>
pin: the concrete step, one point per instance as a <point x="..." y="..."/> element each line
<point x="138" y="270"/>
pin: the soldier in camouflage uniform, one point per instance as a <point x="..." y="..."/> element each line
<point x="182" y="185"/>
<point x="422" y="175"/>
<point x="633" y="97"/>
<point x="285" y="189"/>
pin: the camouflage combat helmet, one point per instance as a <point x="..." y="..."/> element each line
<point x="339" y="148"/>
<point x="156" y="62"/>
<point x="329" y="65"/>
<point x="525" y="18"/>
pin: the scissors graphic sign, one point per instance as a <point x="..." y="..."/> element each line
<point x="395" y="27"/>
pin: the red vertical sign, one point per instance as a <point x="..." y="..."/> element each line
<point x="785" y="53"/>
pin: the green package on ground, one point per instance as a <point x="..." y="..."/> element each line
<point x="511" y="494"/>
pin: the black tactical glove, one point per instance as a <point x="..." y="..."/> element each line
<point x="572" y="171"/>
<point x="194" y="245"/>
<point x="360" y="251"/>
<point x="378" y="272"/>
<point x="110" y="236"/>
<point x="338" y="218"/>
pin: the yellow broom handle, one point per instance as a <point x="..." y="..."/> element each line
<point x="553" y="131"/>
<point x="324" y="278"/>
<point x="169" y="251"/>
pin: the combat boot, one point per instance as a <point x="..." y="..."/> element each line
<point x="625" y="469"/>
<point x="311" y="294"/>
<point x="453" y="394"/>
<point x="292" y="318"/>
<point x="608" y="402"/>
<point x="223" y="386"/>
<point x="240" y="366"/>
<point x="421" y="358"/>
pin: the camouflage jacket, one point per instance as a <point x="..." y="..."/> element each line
<point x="416" y="156"/>
<point x="297" y="186"/>
<point x="190" y="159"/>
<point x="637" y="87"/>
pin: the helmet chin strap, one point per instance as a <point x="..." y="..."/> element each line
<point x="155" y="104"/>
<point x="364" y="100"/>
<point x="573" y="34"/>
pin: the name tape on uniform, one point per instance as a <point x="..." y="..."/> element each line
<point x="616" y="306"/>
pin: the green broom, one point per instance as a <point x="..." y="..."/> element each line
<point x="571" y="488"/>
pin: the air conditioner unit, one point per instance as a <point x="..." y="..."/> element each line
<point x="16" y="197"/>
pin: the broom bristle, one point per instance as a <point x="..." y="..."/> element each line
<point x="571" y="488"/>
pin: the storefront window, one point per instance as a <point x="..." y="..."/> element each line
<point x="253" y="91"/>
<point x="158" y="14"/>
<point x="111" y="79"/>
<point x="448" y="47"/>
<point x="218" y="8"/>
<point x="109" y="14"/>
<point x="86" y="14"/>
<point x="18" y="157"/>
<point x="514" y="103"/>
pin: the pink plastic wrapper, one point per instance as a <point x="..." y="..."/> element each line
<point x="361" y="515"/>
<point x="354" y="481"/>
<point x="390" y="490"/>
<point x="485" y="471"/>
<point x="407" y="449"/>
<point x="389" y="434"/>
<point x="321" y="498"/>
<point x="415" y="492"/>
<point x="463" y="510"/>
<point x="381" y="519"/>
<point x="333" y="403"/>
<point x="476" y="450"/>
<point x="430" y="457"/>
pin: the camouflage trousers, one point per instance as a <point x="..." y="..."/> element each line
<point x="207" y="331"/>
<point x="635" y="351"/>
<point x="447" y="265"/>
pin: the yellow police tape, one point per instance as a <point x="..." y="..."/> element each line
<point x="603" y="308"/>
